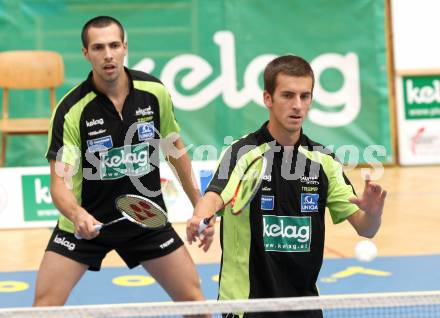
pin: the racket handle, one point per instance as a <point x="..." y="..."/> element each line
<point x="97" y="227"/>
<point x="204" y="223"/>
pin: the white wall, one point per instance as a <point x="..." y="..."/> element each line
<point x="416" y="26"/>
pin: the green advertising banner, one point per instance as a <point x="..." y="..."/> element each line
<point x="37" y="202"/>
<point x="418" y="114"/>
<point x="422" y="96"/>
<point x="211" y="54"/>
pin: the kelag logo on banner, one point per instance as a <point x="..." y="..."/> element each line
<point x="418" y="102"/>
<point x="422" y="97"/>
<point x="212" y="65"/>
<point x="37" y="202"/>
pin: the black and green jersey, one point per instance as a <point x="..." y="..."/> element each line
<point x="112" y="153"/>
<point x="274" y="248"/>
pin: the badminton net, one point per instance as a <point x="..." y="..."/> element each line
<point x="384" y="305"/>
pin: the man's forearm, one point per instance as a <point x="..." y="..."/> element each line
<point x="178" y="158"/>
<point x="365" y="224"/>
<point x="62" y="197"/>
<point x="182" y="166"/>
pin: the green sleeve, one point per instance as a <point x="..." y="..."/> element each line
<point x="339" y="188"/>
<point x="339" y="191"/>
<point x="168" y="123"/>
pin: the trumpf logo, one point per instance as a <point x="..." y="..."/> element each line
<point x="95" y="122"/>
<point x="62" y="241"/>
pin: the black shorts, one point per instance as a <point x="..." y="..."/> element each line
<point x="133" y="244"/>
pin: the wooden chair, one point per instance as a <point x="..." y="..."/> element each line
<point x="27" y="70"/>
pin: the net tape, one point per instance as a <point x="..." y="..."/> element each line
<point x="353" y="301"/>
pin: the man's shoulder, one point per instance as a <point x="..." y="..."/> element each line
<point x="243" y="146"/>
<point x="307" y="141"/>
<point x="250" y="139"/>
<point x="147" y="83"/>
<point x="314" y="146"/>
<point x="137" y="75"/>
<point x="79" y="94"/>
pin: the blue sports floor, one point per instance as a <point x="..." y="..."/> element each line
<point x="338" y="276"/>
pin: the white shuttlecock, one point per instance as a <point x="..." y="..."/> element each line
<point x="365" y="251"/>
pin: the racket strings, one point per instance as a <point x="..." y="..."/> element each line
<point x="249" y="185"/>
<point x="142" y="212"/>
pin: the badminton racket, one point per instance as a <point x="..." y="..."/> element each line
<point x="139" y="210"/>
<point x="245" y="191"/>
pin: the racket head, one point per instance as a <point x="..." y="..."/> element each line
<point x="249" y="184"/>
<point x="142" y="211"/>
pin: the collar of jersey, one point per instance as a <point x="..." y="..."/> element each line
<point x="92" y="87"/>
<point x="270" y="140"/>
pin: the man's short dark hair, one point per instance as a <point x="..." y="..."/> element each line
<point x="290" y="65"/>
<point x="99" y="22"/>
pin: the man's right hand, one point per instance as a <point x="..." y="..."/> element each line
<point x="85" y="225"/>
<point x="206" y="237"/>
<point x="205" y="207"/>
